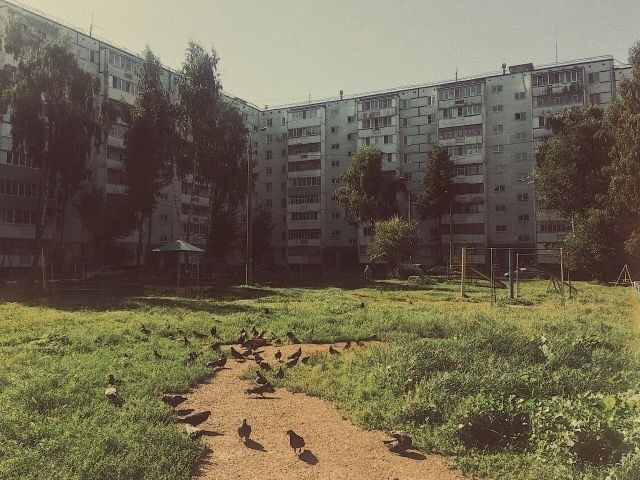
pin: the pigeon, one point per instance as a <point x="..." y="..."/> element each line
<point x="191" y="358"/>
<point x="214" y="332"/>
<point x="260" y="379"/>
<point x="278" y="355"/>
<point x="254" y="332"/>
<point x="247" y="352"/>
<point x="257" y="358"/>
<point x="237" y="355"/>
<point x="185" y="340"/>
<point x="295" y="441"/>
<point x="199" y="335"/>
<point x="292" y="362"/>
<point x="399" y="442"/>
<point x="262" y="334"/>
<point x="156" y="354"/>
<point x="260" y="390"/>
<point x="265" y="366"/>
<point x="112" y="395"/>
<point x="362" y="305"/>
<point x="305" y="359"/>
<point x="220" y="363"/>
<point x="295" y="354"/>
<point x="112" y="380"/>
<point x="255" y="343"/>
<point x="333" y="351"/>
<point x="280" y="373"/>
<point x="244" y="431"/>
<point x="145" y="330"/>
<point x="347" y="344"/>
<point x="195" y="419"/>
<point x="243" y="337"/>
<point x="292" y="338"/>
<point x="173" y="400"/>
<point x="267" y="311"/>
<point x="215" y="346"/>
<point x="360" y="343"/>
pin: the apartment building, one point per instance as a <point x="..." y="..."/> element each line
<point x="490" y="124"/>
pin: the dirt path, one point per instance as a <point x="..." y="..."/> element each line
<point x="336" y="449"/>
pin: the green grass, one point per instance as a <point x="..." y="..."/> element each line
<point x="525" y="390"/>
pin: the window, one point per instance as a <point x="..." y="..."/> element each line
<point x="501" y="228"/>
<point x="405" y="158"/>
<point x="523" y="197"/>
<point x="304" y="234"/>
<point x="367" y="231"/>
<point x="501" y="208"/>
<point x="594" y="98"/>
<point x="304" y="131"/>
<point x="519" y="95"/>
<point x="304" y="216"/>
<point x="269" y="122"/>
<point x="389" y="157"/>
<point x="335" y="215"/>
<point x="499" y="188"/>
<point x="520" y="116"/>
<point x="520" y="136"/>
<point x="283" y="153"/>
<point x="334" y="129"/>
<point x="303" y="114"/>
<point x="350" y="119"/>
<point x="520" y="156"/>
<point x="541" y="122"/>
<point x="497" y="108"/>
<point x="334" y="181"/>
<point x="269" y="138"/>
<point x="405" y="122"/>
<point x="498" y="128"/>
<point x="408" y="176"/>
<point x="335" y="163"/>
<point x="269" y="187"/>
<point x="498" y="148"/>
<point x="304" y="182"/>
<point x="268" y="154"/>
<point x="405" y="140"/>
<point x="594" y="77"/>
<point x="350" y="136"/>
<point x="523" y="238"/>
<point x="523" y="218"/>
<point x="429" y="119"/>
<point x="303" y="199"/>
<point x="335" y="146"/>
<point x="268" y="170"/>
<point x="496" y="88"/>
<point x="283" y="121"/>
<point x="335" y="233"/>
<point x="121" y="61"/>
<point x="377" y="104"/>
<point x="387" y="139"/>
<point x="164" y="217"/>
<point x="269" y="202"/>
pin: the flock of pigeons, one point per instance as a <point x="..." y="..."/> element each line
<point x="249" y="349"/>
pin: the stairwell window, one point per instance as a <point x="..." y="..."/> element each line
<point x="499" y="188"/>
<point x="520" y="116"/>
<point x="501" y="228"/>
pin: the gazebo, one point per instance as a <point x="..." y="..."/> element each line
<point x="179" y="247"/>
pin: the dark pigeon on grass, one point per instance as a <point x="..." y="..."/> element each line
<point x="280" y="373"/>
<point x="214" y="332"/>
<point x="237" y="355"/>
<point x="156" y="354"/>
<point x="185" y="340"/>
<point x="145" y="330"/>
<point x="191" y="358"/>
<point x="267" y="311"/>
<point x="305" y="359"/>
<point x="295" y="354"/>
<point x="295" y="441"/>
<point x="261" y="390"/>
<point x="254" y="332"/>
<point x="199" y="335"/>
<point x="244" y="431"/>
<point x="243" y="336"/>
<point x="215" y="346"/>
<point x="292" y="362"/>
<point x="112" y="380"/>
<point x="196" y="418"/>
<point x="333" y="351"/>
<point x="398" y="443"/>
<point x="292" y="338"/>
<point x="260" y="379"/>
<point x="173" y="400"/>
<point x="265" y="366"/>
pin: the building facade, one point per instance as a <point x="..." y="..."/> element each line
<point x="490" y="124"/>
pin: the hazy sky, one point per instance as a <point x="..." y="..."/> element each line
<point x="281" y="51"/>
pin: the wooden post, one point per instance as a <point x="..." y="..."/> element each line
<point x="463" y="271"/>
<point x="517" y="273"/>
<point x="492" y="276"/>
<point x="510" y="263"/>
<point x="44" y="271"/>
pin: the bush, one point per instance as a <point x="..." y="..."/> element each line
<point x="406" y="270"/>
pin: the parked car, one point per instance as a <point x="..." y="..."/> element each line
<point x="105" y="272"/>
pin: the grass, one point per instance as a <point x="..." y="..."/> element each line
<point x="525" y="390"/>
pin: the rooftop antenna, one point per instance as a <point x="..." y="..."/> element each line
<point x="91" y="26"/>
<point x="309" y="98"/>
<point x="456" y="73"/>
<point x="555" y="33"/>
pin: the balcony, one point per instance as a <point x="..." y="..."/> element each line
<point x="459" y="121"/>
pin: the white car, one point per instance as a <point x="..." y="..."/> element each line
<point x="104" y="272"/>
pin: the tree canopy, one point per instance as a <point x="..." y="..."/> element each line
<point x="393" y="241"/>
<point x="369" y="193"/>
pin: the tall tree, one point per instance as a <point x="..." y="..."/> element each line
<point x="623" y="199"/>
<point x="214" y="136"/>
<point x="54" y="116"/>
<point x="575" y="157"/>
<point x="150" y="141"/>
<point x="393" y="241"/>
<point x="436" y="197"/>
<point x="369" y="193"/>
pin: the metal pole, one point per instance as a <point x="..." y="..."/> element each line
<point x="44" y="271"/>
<point x="450" y="234"/>
<point x="463" y="271"/>
<point x="561" y="278"/>
<point x="510" y="253"/>
<point x="492" y="277"/>
<point x="517" y="273"/>
<point x="249" y="255"/>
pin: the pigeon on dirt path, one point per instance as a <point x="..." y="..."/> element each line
<point x="237" y="355"/>
<point x="244" y="431"/>
<point x="292" y="338"/>
<point x="295" y="441"/>
<point x="195" y="419"/>
<point x="399" y="443"/>
<point x="295" y="354"/>
<point x="260" y="379"/>
<point x="291" y="363"/>
<point x="280" y="373"/>
<point x="220" y="363"/>
<point x="278" y="355"/>
<point x="260" y="390"/>
<point x="305" y="359"/>
<point x="333" y="351"/>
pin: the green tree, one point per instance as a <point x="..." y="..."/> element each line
<point x="54" y="116"/>
<point x="623" y="116"/>
<point x="108" y="218"/>
<point x="150" y="141"/>
<point x="369" y="193"/>
<point x="223" y="230"/>
<point x="393" y="241"/>
<point x="214" y="136"/>
<point x="436" y="197"/>
<point x="571" y="167"/>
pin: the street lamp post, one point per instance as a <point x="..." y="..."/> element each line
<point x="249" y="255"/>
